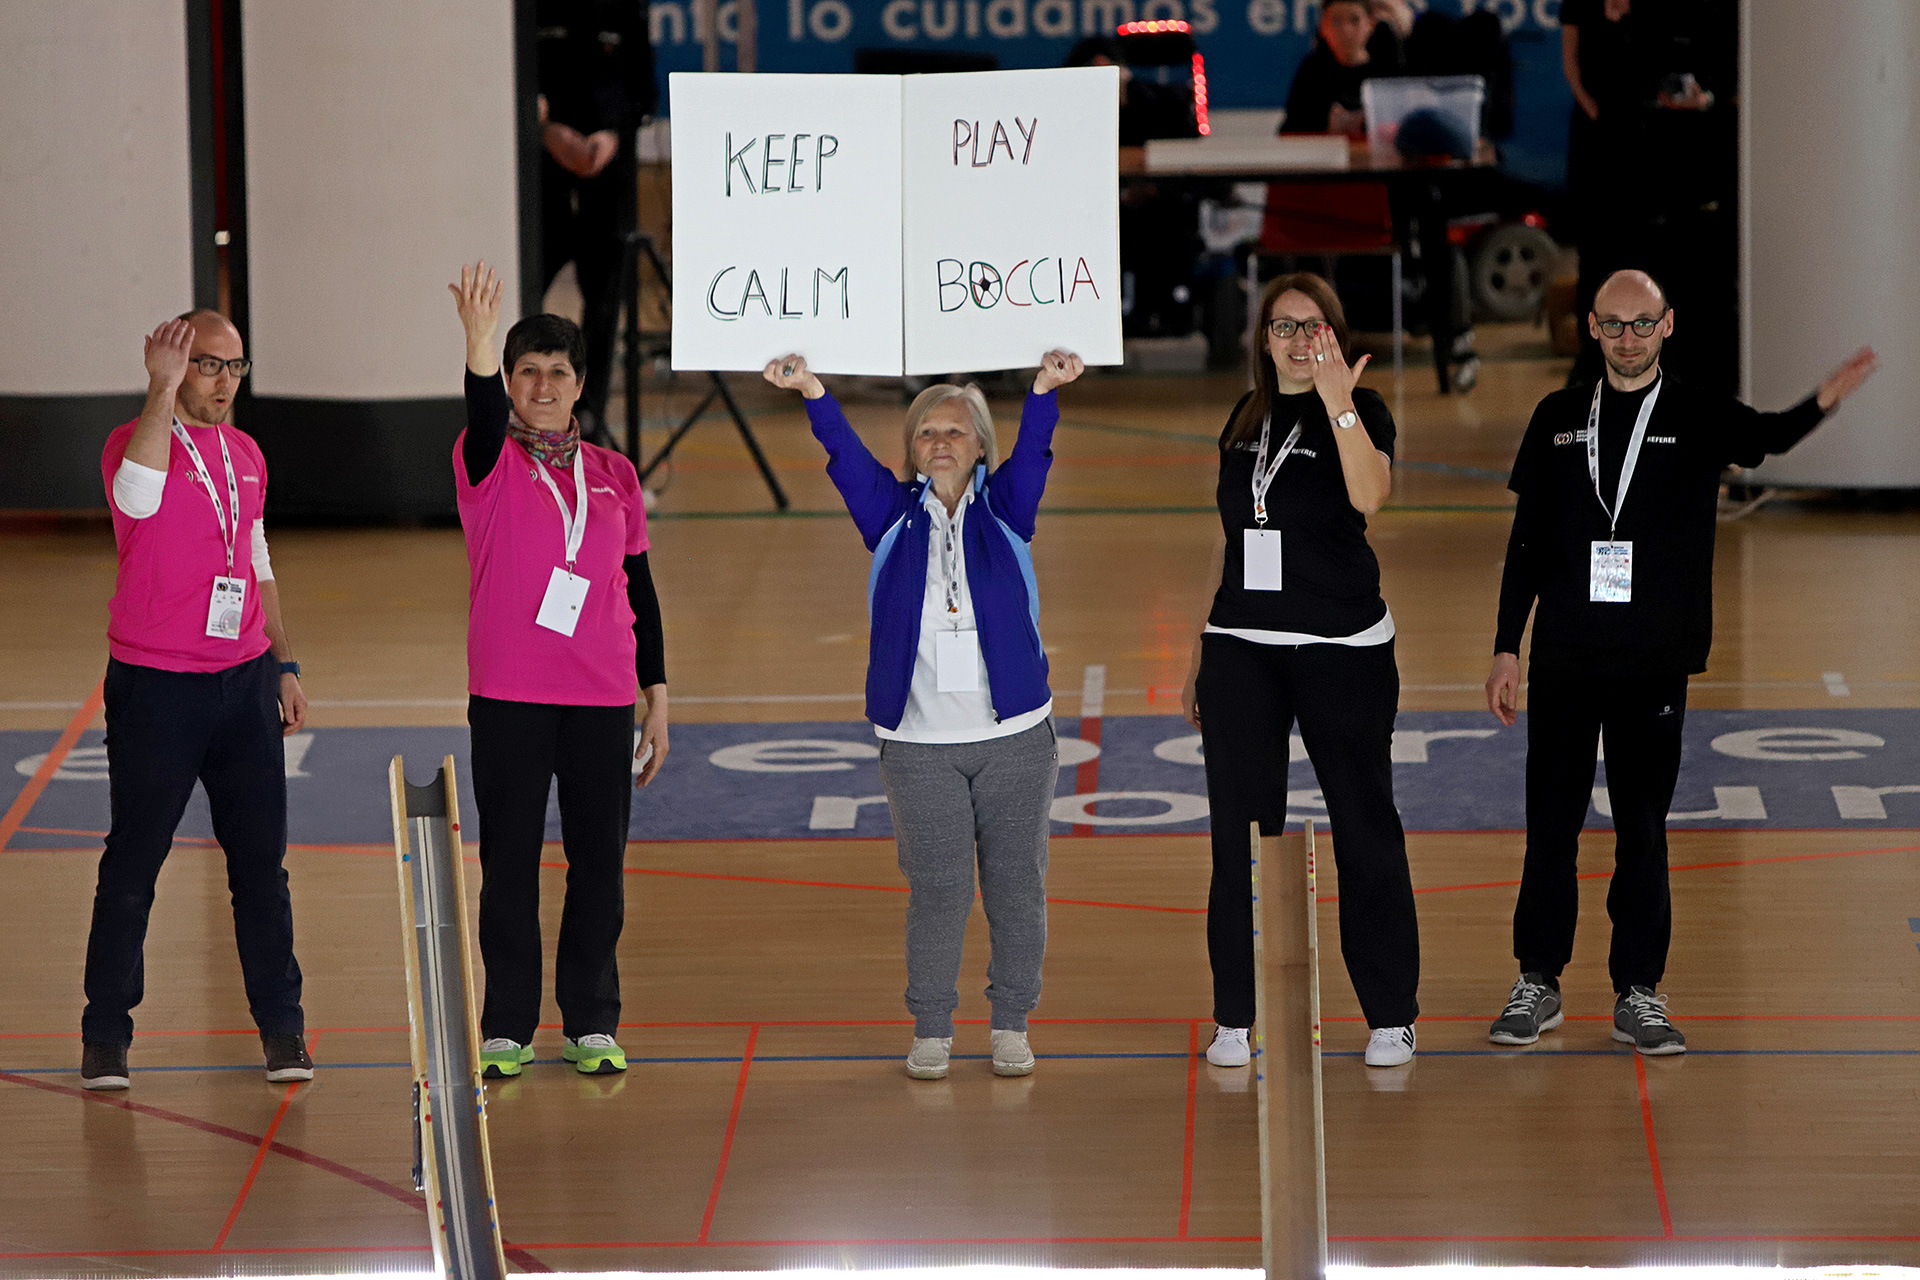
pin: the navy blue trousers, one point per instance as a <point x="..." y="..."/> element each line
<point x="167" y="730"/>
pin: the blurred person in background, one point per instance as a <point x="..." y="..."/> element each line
<point x="596" y="88"/>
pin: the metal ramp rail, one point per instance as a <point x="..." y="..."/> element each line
<point x="452" y="1165"/>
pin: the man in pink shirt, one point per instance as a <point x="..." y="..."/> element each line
<point x="201" y="686"/>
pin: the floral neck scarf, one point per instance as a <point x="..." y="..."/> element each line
<point x="555" y="448"/>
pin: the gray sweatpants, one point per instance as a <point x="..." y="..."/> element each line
<point x="953" y="804"/>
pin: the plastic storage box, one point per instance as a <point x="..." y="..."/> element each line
<point x="1391" y="99"/>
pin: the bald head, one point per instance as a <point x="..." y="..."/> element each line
<point x="1630" y="293"/>
<point x="207" y="398"/>
<point x="1631" y="321"/>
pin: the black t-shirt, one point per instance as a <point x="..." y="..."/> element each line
<point x="1330" y="580"/>
<point x="1669" y="516"/>
<point x="1321" y="81"/>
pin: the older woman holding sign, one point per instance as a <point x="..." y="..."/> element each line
<point x="1298" y="633"/>
<point x="563" y="627"/>
<point x="957" y="687"/>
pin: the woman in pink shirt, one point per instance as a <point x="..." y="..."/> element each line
<point x="563" y="626"/>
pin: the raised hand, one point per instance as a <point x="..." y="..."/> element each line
<point x="1057" y="369"/>
<point x="477" y="299"/>
<point x="790" y="373"/>
<point x="1841" y="383"/>
<point x="602" y="147"/>
<point x="1332" y="378"/>
<point x="166" y="353"/>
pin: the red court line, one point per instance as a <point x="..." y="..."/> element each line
<point x="260" y="1157"/>
<point x="253" y="1171"/>
<point x="1186" y="1152"/>
<point x="726" y="1144"/>
<point x="225" y="1253"/>
<point x="1653" y="1147"/>
<point x="409" y="1198"/>
<point x="24" y="802"/>
<point x="878" y="1240"/>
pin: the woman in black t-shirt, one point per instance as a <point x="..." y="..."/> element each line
<point x="1298" y="632"/>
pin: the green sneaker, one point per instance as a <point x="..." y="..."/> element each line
<point x="594" y="1055"/>
<point x="500" y="1058"/>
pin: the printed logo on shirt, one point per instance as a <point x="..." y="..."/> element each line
<point x="251" y="479"/>
<point x="599" y="488"/>
<point x="1570" y="437"/>
<point x="1663" y="439"/>
<point x="1305" y="453"/>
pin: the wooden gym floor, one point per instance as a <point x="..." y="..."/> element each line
<point x="766" y="1121"/>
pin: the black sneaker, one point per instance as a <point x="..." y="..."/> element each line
<point x="287" y="1058"/>
<point x="1533" y="1007"/>
<point x="1640" y="1019"/>
<point x="103" y="1066"/>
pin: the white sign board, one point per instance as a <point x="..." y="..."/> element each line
<point x="786" y="221"/>
<point x="1011" y="216"/>
<point x="886" y="224"/>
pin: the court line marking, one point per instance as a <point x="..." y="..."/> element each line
<point x="1653" y="1145"/>
<point x="1187" y="1140"/>
<point x="253" y="1170"/>
<point x="981" y="1022"/>
<point x="30" y="794"/>
<point x="733" y="1124"/>
<point x="1093" y="709"/>
<point x="413" y="1200"/>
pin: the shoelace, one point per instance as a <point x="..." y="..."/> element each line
<point x="499" y="1045"/>
<point x="595" y="1041"/>
<point x="1651" y="1009"/>
<point x="1392" y="1035"/>
<point x="1525" y="995"/>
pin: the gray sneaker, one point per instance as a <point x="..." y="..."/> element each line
<point x="928" y="1058"/>
<point x="1640" y="1019"/>
<point x="1533" y="1007"/>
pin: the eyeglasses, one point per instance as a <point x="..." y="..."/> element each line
<point x="1286" y="328"/>
<point x="212" y="365"/>
<point x="1641" y="328"/>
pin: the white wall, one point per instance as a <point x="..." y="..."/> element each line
<point x="1831" y="252"/>
<point x="380" y="156"/>
<point x="95" y="206"/>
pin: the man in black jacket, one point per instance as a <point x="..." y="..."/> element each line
<point x="596" y="88"/>
<point x="1617" y="487"/>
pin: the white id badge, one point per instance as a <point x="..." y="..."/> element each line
<point x="956" y="661"/>
<point x="560" y="611"/>
<point x="1610" y="577"/>
<point x="228" y="602"/>
<point x="1260" y="552"/>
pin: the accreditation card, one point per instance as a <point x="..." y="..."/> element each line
<point x="1610" y="573"/>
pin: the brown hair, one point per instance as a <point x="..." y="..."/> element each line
<point x="1266" y="379"/>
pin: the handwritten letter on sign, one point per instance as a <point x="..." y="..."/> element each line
<point x="786" y="226"/>
<point x="1012" y="232"/>
<point x="884" y="224"/>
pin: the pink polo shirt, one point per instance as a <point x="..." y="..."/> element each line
<point x="515" y="540"/>
<point x="168" y="561"/>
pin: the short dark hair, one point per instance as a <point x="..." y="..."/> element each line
<point x="546" y="334"/>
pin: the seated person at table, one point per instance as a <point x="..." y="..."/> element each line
<point x="1325" y="97"/>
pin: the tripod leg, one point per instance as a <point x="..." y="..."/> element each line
<point x="679" y="433"/>
<point x="780" y="501"/>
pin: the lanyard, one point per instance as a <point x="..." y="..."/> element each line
<point x="950" y="563"/>
<point x="229" y="533"/>
<point x="575" y="529"/>
<point x="1633" y="451"/>
<point x="1262" y="473"/>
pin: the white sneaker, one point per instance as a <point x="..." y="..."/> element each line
<point x="1229" y="1047"/>
<point x="1012" y="1056"/>
<point x="927" y="1060"/>
<point x="1390" y="1047"/>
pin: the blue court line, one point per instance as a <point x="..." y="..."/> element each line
<point x="1517" y="1053"/>
<point x="1913" y="923"/>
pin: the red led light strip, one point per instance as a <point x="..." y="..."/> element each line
<point x="1163" y="26"/>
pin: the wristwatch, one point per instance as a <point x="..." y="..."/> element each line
<point x="1347" y="421"/>
<point x="290" y="669"/>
